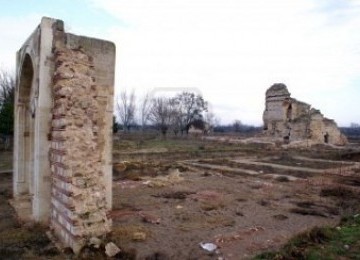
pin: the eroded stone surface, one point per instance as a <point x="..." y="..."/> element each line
<point x="79" y="194"/>
<point x="63" y="139"/>
<point x="292" y="120"/>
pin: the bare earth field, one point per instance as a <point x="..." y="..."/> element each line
<point x="171" y="195"/>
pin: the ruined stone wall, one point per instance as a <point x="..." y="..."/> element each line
<point x="275" y="97"/>
<point x="63" y="133"/>
<point x="292" y="120"/>
<point x="78" y="201"/>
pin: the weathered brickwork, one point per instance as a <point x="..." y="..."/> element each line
<point x="292" y="120"/>
<point x="63" y="137"/>
<point x="78" y="190"/>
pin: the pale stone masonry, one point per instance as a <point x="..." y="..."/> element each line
<point x="292" y="120"/>
<point x="63" y="133"/>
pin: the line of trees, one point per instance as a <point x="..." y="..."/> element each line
<point x="176" y="114"/>
<point x="7" y="95"/>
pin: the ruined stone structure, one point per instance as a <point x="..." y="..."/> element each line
<point x="292" y="120"/>
<point x="63" y="132"/>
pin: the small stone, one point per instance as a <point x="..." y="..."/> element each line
<point x="149" y="218"/>
<point x="139" y="236"/>
<point x="239" y="213"/>
<point x="111" y="249"/>
<point x="94" y="241"/>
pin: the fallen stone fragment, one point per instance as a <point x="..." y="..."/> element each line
<point x="139" y="236"/>
<point x="111" y="249"/>
<point x="94" y="241"/>
<point x="149" y="218"/>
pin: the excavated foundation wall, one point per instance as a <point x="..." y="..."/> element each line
<point x="78" y="192"/>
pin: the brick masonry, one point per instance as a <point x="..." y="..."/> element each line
<point x="78" y="201"/>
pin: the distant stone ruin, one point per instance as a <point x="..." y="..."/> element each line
<point x="292" y="120"/>
<point x="63" y="133"/>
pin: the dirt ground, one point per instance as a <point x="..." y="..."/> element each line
<point x="171" y="196"/>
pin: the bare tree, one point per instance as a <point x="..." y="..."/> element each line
<point x="7" y="88"/>
<point x="354" y="125"/>
<point x="126" y="106"/>
<point x="176" y="120"/>
<point x="161" y="113"/>
<point x="191" y="107"/>
<point x="145" y="109"/>
<point x="7" y="94"/>
<point x="237" y="125"/>
<point x="210" y="121"/>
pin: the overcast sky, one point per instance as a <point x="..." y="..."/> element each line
<point x="230" y="51"/>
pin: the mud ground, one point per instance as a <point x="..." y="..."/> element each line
<point x="243" y="203"/>
<point x="167" y="200"/>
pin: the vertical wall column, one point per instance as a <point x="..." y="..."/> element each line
<point x="78" y="191"/>
<point x="20" y="185"/>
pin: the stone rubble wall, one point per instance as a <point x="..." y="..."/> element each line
<point x="293" y="120"/>
<point x="78" y="202"/>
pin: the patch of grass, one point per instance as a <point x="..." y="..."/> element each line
<point x="180" y="195"/>
<point x="282" y="179"/>
<point x="264" y="202"/>
<point x="212" y="205"/>
<point x="323" y="243"/>
<point x="124" y="234"/>
<point x="305" y="204"/>
<point x="14" y="242"/>
<point x="280" y="217"/>
<point x="206" y="222"/>
<point x="351" y="181"/>
<point x="312" y="212"/>
<point x="338" y="191"/>
<point x="5" y="160"/>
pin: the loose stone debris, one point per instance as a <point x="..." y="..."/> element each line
<point x="111" y="249"/>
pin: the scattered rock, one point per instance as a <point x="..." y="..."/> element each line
<point x="280" y="217"/>
<point x="239" y="213"/>
<point x="94" y="241"/>
<point x="139" y="236"/>
<point x="149" y="218"/>
<point x="206" y="174"/>
<point x="111" y="249"/>
<point x="157" y="256"/>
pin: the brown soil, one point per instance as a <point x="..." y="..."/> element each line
<point x="164" y="206"/>
<point x="242" y="214"/>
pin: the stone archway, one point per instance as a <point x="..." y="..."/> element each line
<point x="24" y="140"/>
<point x="63" y="122"/>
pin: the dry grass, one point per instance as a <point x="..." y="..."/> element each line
<point x="193" y="223"/>
<point x="122" y="235"/>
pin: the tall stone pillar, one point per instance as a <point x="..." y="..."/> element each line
<point x="63" y="132"/>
